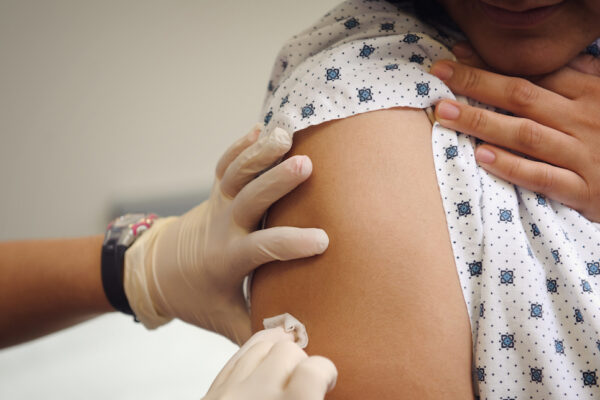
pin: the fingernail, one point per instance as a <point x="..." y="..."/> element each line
<point x="322" y="241"/>
<point x="446" y="110"/>
<point x="253" y="134"/>
<point x="305" y="166"/>
<point x="462" y="50"/>
<point x="484" y="155"/>
<point x="442" y="70"/>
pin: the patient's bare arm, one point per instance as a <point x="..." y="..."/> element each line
<point x="384" y="302"/>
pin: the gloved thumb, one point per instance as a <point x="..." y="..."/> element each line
<point x="279" y="243"/>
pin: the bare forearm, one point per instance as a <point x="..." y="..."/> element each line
<point x="48" y="285"/>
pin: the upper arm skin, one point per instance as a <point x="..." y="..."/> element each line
<point x="384" y="301"/>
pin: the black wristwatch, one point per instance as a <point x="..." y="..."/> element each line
<point x="120" y="235"/>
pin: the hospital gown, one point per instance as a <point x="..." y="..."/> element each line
<point x="529" y="267"/>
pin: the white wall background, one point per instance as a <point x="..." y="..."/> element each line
<point x="105" y="102"/>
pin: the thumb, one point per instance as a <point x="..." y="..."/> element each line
<point x="279" y="243"/>
<point x="466" y="54"/>
<point x="587" y="64"/>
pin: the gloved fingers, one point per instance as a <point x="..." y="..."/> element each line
<point x="261" y="155"/>
<point x="267" y="337"/>
<point x="279" y="364"/>
<point x="248" y="362"/>
<point x="312" y="379"/>
<point x="279" y="243"/>
<point x="257" y="196"/>
<point x="236" y="148"/>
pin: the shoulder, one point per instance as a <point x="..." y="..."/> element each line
<point x="355" y="20"/>
<point x="382" y="152"/>
<point x="362" y="56"/>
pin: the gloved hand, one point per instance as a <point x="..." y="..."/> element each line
<point x="192" y="267"/>
<point x="270" y="366"/>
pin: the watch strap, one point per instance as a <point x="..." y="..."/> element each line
<point x="113" y="256"/>
<point x="120" y="235"/>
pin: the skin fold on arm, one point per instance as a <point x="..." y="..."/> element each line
<point x="384" y="301"/>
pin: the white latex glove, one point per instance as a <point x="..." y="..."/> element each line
<point x="270" y="366"/>
<point x="192" y="267"/>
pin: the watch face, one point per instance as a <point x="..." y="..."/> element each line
<point x="126" y="220"/>
<point x="124" y="230"/>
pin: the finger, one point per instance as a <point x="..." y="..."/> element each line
<point x="568" y="82"/>
<point x="261" y="155"/>
<point x="279" y="364"/>
<point x="556" y="183"/>
<point x="249" y="361"/>
<point x="520" y="134"/>
<point x="279" y="243"/>
<point x="466" y="54"/>
<point x="254" y="356"/>
<point x="273" y="336"/>
<point x="257" y="196"/>
<point x="312" y="379"/>
<point x="513" y="94"/>
<point x="235" y="149"/>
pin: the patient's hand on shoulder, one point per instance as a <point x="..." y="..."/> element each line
<point x="556" y="123"/>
